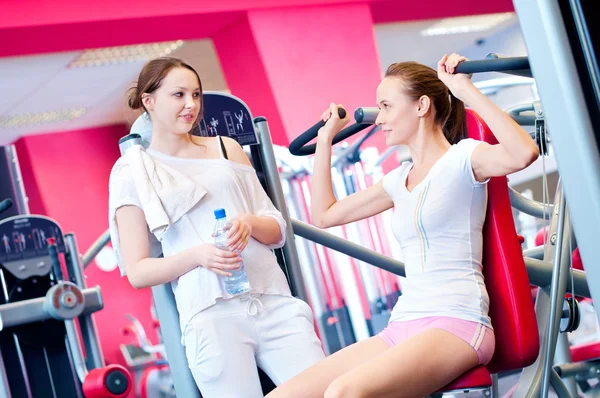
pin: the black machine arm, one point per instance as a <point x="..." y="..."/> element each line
<point x="299" y="145"/>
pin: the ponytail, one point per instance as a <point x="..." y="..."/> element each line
<point x="455" y="127"/>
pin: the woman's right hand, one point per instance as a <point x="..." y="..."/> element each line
<point x="217" y="260"/>
<point x="333" y="123"/>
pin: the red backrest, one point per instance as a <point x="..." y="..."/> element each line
<point x="511" y="305"/>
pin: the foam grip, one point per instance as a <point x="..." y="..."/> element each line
<point x="112" y="381"/>
<point x="514" y="65"/>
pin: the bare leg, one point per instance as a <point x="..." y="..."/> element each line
<point x="416" y="367"/>
<point x="314" y="381"/>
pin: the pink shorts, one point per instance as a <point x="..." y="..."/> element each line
<point x="478" y="336"/>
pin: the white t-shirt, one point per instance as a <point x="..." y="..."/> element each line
<point x="439" y="227"/>
<point x="230" y="185"/>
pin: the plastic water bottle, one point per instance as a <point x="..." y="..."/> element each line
<point x="238" y="282"/>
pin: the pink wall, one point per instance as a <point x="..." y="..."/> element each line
<point x="289" y="64"/>
<point x="42" y="26"/>
<point x="66" y="178"/>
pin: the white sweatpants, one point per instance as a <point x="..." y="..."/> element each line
<point x="225" y="343"/>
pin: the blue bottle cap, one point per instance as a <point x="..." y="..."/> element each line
<point x="220" y="213"/>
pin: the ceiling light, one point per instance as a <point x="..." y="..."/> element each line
<point x="33" y="119"/>
<point x="125" y="54"/>
<point x="475" y="23"/>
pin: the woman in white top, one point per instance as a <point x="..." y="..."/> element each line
<point x="439" y="328"/>
<point x="225" y="336"/>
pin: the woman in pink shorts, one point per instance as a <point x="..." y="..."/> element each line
<point x="440" y="327"/>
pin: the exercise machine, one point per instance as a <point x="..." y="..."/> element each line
<point x="148" y="361"/>
<point x="45" y="306"/>
<point x="42" y="300"/>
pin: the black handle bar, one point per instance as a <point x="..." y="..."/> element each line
<point x="514" y="65"/>
<point x="299" y="145"/>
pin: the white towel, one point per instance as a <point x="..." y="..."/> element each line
<point x="165" y="194"/>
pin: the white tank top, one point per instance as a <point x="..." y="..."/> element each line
<point x="439" y="227"/>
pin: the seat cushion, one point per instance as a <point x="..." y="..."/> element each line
<point x="478" y="377"/>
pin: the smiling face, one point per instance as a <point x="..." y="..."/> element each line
<point x="399" y="114"/>
<point x="174" y="106"/>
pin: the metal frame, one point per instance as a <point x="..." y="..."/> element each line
<point x="292" y="263"/>
<point x="87" y="323"/>
<point x="553" y="64"/>
<point x="15" y="172"/>
<point x="59" y="364"/>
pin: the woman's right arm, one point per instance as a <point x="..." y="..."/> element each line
<point x="326" y="210"/>
<point x="145" y="271"/>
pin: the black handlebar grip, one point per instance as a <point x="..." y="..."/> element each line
<point x="515" y="65"/>
<point x="298" y="146"/>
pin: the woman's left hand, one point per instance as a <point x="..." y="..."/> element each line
<point x="455" y="82"/>
<point x="240" y="233"/>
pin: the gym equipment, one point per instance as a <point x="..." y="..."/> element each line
<point x="299" y="145"/>
<point x="46" y="307"/>
<point x="149" y="363"/>
<point x="41" y="351"/>
<point x="13" y="189"/>
<point x="564" y="62"/>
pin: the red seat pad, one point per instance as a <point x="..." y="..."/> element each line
<point x="478" y="377"/>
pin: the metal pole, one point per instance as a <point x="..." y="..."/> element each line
<point x="558" y="385"/>
<point x="560" y="275"/>
<point x="351" y="249"/>
<point x="494" y="390"/>
<point x="87" y="322"/>
<point x="528" y="206"/>
<point x="4" y="386"/>
<point x="562" y="355"/>
<point x="15" y="171"/>
<point x="93" y="251"/>
<point x="164" y="302"/>
<point x="76" y="352"/>
<point x="540" y="274"/>
<point x="276" y="194"/>
<point x="535" y="252"/>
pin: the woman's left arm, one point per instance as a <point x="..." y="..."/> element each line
<point x="515" y="149"/>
